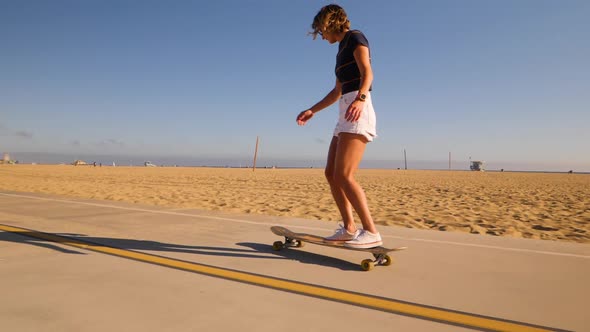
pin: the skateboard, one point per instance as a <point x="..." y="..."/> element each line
<point x="297" y="240"/>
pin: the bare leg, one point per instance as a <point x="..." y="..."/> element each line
<point x="349" y="153"/>
<point x="342" y="202"/>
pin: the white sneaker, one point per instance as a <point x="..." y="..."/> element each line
<point x="365" y="240"/>
<point x="342" y="235"/>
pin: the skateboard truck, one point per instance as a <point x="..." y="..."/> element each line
<point x="380" y="259"/>
<point x="289" y="242"/>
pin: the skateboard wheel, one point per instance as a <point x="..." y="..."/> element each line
<point x="300" y="244"/>
<point x="367" y="265"/>
<point x="278" y="245"/>
<point x="386" y="260"/>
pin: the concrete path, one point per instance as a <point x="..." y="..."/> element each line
<point x="79" y="265"/>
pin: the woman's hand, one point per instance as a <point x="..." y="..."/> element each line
<point x="304" y="116"/>
<point x="354" y="111"/>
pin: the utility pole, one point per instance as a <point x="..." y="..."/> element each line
<point x="405" y="160"/>
<point x="255" y="155"/>
<point x="449" y="161"/>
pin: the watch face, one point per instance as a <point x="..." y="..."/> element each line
<point x="363" y="96"/>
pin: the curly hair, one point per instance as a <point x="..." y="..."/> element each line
<point x="331" y="18"/>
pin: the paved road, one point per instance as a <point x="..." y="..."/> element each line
<point x="80" y="265"/>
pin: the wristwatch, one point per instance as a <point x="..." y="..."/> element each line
<point x="361" y="97"/>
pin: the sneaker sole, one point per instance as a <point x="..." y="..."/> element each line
<point x="364" y="245"/>
<point x="336" y="241"/>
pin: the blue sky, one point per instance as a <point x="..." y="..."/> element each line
<point x="503" y="81"/>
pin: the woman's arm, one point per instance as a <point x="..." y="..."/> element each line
<point x="361" y="56"/>
<point x="328" y="100"/>
<point x="363" y="61"/>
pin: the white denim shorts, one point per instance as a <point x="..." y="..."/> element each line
<point x="367" y="123"/>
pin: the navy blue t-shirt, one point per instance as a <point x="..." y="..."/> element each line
<point x="347" y="71"/>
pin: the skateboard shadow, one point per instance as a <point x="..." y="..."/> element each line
<point x="31" y="238"/>
<point x="303" y="256"/>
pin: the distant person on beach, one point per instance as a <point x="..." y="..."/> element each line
<point x="355" y="128"/>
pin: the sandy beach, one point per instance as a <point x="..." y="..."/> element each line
<point x="527" y="205"/>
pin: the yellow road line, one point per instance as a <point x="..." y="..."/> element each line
<point x="368" y="301"/>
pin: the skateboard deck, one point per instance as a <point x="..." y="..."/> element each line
<point x="293" y="239"/>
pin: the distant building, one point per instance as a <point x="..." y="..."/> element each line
<point x="477" y="165"/>
<point x="149" y="164"/>
<point x="79" y="162"/>
<point x="6" y="159"/>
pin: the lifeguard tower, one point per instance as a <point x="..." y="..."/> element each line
<point x="477" y="165"/>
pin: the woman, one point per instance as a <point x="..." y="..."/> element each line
<point x="355" y="127"/>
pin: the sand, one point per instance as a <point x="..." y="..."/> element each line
<point x="528" y="205"/>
